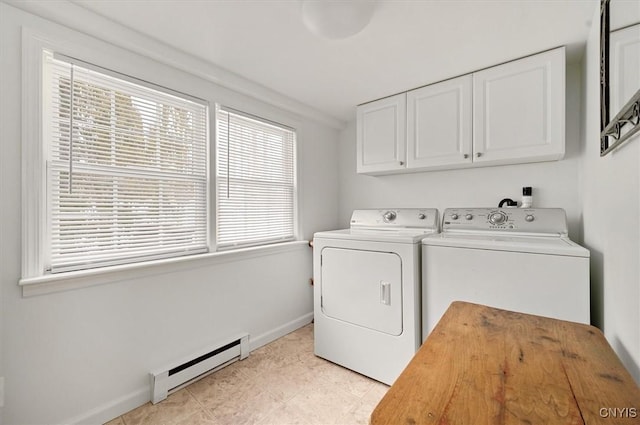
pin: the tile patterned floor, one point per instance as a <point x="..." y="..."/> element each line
<point x="281" y="383"/>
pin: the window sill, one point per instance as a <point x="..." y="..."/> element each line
<point x="84" y="278"/>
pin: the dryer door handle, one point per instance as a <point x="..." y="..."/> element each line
<point x="385" y="292"/>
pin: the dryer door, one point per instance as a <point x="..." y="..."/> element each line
<point x="363" y="288"/>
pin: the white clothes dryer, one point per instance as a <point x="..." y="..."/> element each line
<point x="367" y="314"/>
<point x="514" y="259"/>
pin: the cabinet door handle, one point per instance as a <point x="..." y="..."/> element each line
<point x="478" y="154"/>
<point x="401" y="162"/>
<point x="465" y="156"/>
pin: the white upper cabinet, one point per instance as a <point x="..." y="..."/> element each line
<point x="439" y="124"/>
<point x="507" y="114"/>
<point x="518" y="110"/>
<point x="381" y="135"/>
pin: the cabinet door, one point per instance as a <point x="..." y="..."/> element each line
<point x="439" y="124"/>
<point x="519" y="110"/>
<point x="381" y="135"/>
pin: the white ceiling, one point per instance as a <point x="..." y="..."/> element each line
<point x="407" y="44"/>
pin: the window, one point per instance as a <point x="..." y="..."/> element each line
<point x="255" y="177"/>
<point x="126" y="169"/>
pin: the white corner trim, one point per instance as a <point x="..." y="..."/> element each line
<point x="78" y="18"/>
<point x="51" y="283"/>
<point x="33" y="173"/>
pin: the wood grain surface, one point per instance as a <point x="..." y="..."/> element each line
<point x="482" y="365"/>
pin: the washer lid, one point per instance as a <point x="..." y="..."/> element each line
<point x="411" y="236"/>
<point x="552" y="245"/>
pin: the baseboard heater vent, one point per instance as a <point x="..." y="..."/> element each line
<point x="170" y="379"/>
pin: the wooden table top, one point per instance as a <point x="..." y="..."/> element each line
<point x="482" y="365"/>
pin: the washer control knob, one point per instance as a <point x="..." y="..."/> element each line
<point x="421" y="216"/>
<point x="468" y="216"/>
<point x="529" y="218"/>
<point x="497" y="217"/>
<point x="454" y="216"/>
<point x="389" y="216"/>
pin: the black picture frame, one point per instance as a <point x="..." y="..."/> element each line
<point x="611" y="130"/>
<point x="604" y="72"/>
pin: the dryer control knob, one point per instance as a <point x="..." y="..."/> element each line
<point x="454" y="216"/>
<point x="421" y="216"/>
<point x="468" y="216"/>
<point x="497" y="218"/>
<point x="529" y="218"/>
<point x="389" y="216"/>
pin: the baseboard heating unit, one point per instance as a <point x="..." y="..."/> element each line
<point x="170" y="379"/>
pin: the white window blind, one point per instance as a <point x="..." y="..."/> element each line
<point x="255" y="181"/>
<point x="126" y="169"/>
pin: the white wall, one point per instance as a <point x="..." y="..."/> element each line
<point x="85" y="354"/>
<point x="555" y="184"/>
<point x="611" y="187"/>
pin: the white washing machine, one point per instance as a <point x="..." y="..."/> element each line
<point x="367" y="290"/>
<point x="513" y="259"/>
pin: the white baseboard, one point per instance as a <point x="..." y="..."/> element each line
<point x="122" y="405"/>
<point x="267" y="337"/>
<point x="113" y="409"/>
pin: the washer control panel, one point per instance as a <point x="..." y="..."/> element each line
<point x="396" y="218"/>
<point x="525" y="220"/>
